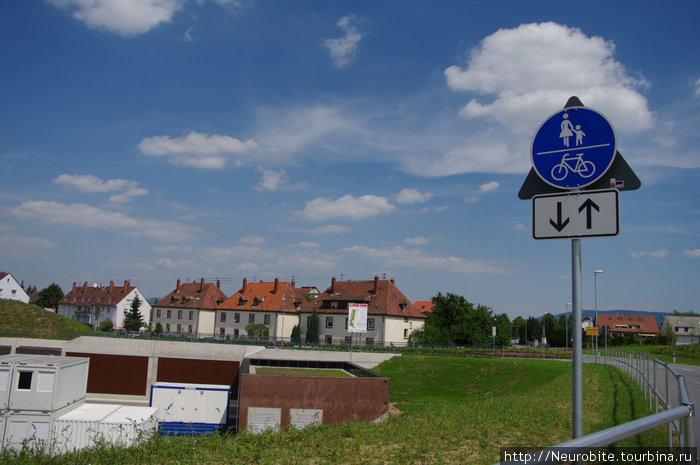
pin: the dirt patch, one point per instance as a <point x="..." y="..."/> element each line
<point x="393" y="411"/>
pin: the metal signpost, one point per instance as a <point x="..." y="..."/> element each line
<point x="572" y="152"/>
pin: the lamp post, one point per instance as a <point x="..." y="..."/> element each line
<point x="595" y="290"/>
<point x="566" y="326"/>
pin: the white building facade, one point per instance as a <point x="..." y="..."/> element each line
<point x="10" y="288"/>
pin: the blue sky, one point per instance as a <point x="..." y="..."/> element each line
<point x="158" y="140"/>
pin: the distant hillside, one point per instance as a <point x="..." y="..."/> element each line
<point x="17" y="316"/>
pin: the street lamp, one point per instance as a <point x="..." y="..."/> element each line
<point x="595" y="290"/>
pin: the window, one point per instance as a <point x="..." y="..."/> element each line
<point x="329" y="340"/>
<point x="267" y="320"/>
<point x="369" y="341"/>
<point x="189" y="329"/>
<point x="235" y="332"/>
<point x="256" y="302"/>
<point x="346" y="322"/>
<point x="24" y="383"/>
<point x="179" y="328"/>
<point x="158" y="313"/>
<point x="170" y="313"/>
<point x="222" y="331"/>
<point x="167" y="327"/>
<point x="241" y="301"/>
<point x="236" y="317"/>
<point x="223" y="317"/>
<point x="405" y="333"/>
<point x="191" y="316"/>
<point x="334" y="304"/>
<point x="348" y="339"/>
<point x="251" y="318"/>
<point x="370" y="324"/>
<point x="179" y="314"/>
<point x="405" y="320"/>
<point x="329" y="322"/>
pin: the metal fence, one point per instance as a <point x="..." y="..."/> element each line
<point x="668" y="398"/>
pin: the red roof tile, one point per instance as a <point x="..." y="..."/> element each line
<point x="93" y="295"/>
<point x="629" y="324"/>
<point x="194" y="295"/>
<point x="424" y="305"/>
<point x="263" y="297"/>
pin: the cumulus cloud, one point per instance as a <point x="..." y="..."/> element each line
<point x="413" y="196"/>
<point x="86" y="216"/>
<point x="692" y="253"/>
<point x="208" y="151"/>
<point x="343" y="49"/>
<point x="270" y="179"/>
<point x="531" y="70"/>
<point x="491" y="186"/>
<point x="93" y="184"/>
<point x="661" y="253"/>
<point x="123" y="17"/>
<point x="415" y="258"/>
<point x="331" y="229"/>
<point x="347" y="206"/>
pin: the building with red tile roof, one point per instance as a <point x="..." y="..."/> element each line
<point x="391" y="317"/>
<point x="190" y="308"/>
<point x="641" y="325"/>
<point x="424" y="305"/>
<point x="274" y="304"/>
<point x="94" y="304"/>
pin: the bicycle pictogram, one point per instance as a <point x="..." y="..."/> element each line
<point x="584" y="168"/>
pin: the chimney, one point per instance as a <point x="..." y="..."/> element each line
<point x="74" y="285"/>
<point x="126" y="286"/>
<point x="85" y="286"/>
<point x="245" y="284"/>
<point x="392" y="281"/>
<point x="177" y="289"/>
<point x="277" y="283"/>
<point x="201" y="286"/>
<point x="218" y="284"/>
<point x="294" y="283"/>
<point x="333" y="285"/>
<point x="376" y="285"/>
<point x="111" y="286"/>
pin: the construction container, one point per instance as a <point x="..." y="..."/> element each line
<point x="30" y="429"/>
<point x="7" y="367"/>
<point x="190" y="409"/>
<point x="47" y="382"/>
<point x="92" y="424"/>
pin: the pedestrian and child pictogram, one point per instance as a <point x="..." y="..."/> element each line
<point x="573" y="148"/>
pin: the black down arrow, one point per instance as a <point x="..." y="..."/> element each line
<point x="559" y="225"/>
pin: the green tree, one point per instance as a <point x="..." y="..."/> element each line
<point x="49" y="296"/>
<point x="96" y="313"/>
<point x="106" y="325"/>
<point x="133" y="321"/>
<point x="503" y="329"/>
<point x="258" y="330"/>
<point x="455" y="320"/>
<point x="313" y="328"/>
<point x="296" y="334"/>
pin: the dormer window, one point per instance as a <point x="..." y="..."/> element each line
<point x="241" y="301"/>
<point x="403" y="307"/>
<point x="257" y="301"/>
<point x="334" y="304"/>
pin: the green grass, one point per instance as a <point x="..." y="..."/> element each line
<point x="685" y="355"/>
<point x="24" y="320"/>
<point x="455" y="410"/>
<point x="285" y="371"/>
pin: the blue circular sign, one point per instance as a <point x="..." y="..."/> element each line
<point x="573" y="148"/>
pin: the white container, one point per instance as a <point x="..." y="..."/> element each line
<point x="111" y="424"/>
<point x="48" y="383"/>
<point x="80" y="428"/>
<point x="190" y="408"/>
<point x="30" y="429"/>
<point x="129" y="425"/>
<point x="7" y="368"/>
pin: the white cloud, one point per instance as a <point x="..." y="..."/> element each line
<point x="489" y="187"/>
<point x="697" y="88"/>
<point x="239" y="252"/>
<point x="347" y="206"/>
<point x="21" y="247"/>
<point x="92" y="184"/>
<point x="331" y="229"/>
<point x="309" y="260"/>
<point x="305" y="245"/>
<point x="414" y="258"/>
<point x="85" y="216"/>
<point x="533" y="69"/>
<point x="413" y="196"/>
<point x="172" y="264"/>
<point x="188" y="35"/>
<point x="209" y="151"/>
<point x="123" y="17"/>
<point x="661" y="253"/>
<point x="418" y="240"/>
<point x="343" y="49"/>
<point x="253" y="240"/>
<point x="270" y="180"/>
<point x="694" y="253"/>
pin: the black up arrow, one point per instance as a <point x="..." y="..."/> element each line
<point x="588" y="205"/>
<point x="559" y="225"/>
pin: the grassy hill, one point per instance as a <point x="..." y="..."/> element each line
<point x="20" y="319"/>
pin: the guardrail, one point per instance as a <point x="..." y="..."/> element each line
<point x="677" y="412"/>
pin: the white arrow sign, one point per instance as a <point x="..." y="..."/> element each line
<point x="581" y="214"/>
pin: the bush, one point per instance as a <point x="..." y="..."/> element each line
<point x="158" y="328"/>
<point x="106" y="325"/>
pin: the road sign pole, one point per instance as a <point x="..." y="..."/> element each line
<point x="577" y="355"/>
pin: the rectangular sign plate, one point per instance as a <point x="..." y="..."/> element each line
<point x="576" y="214"/>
